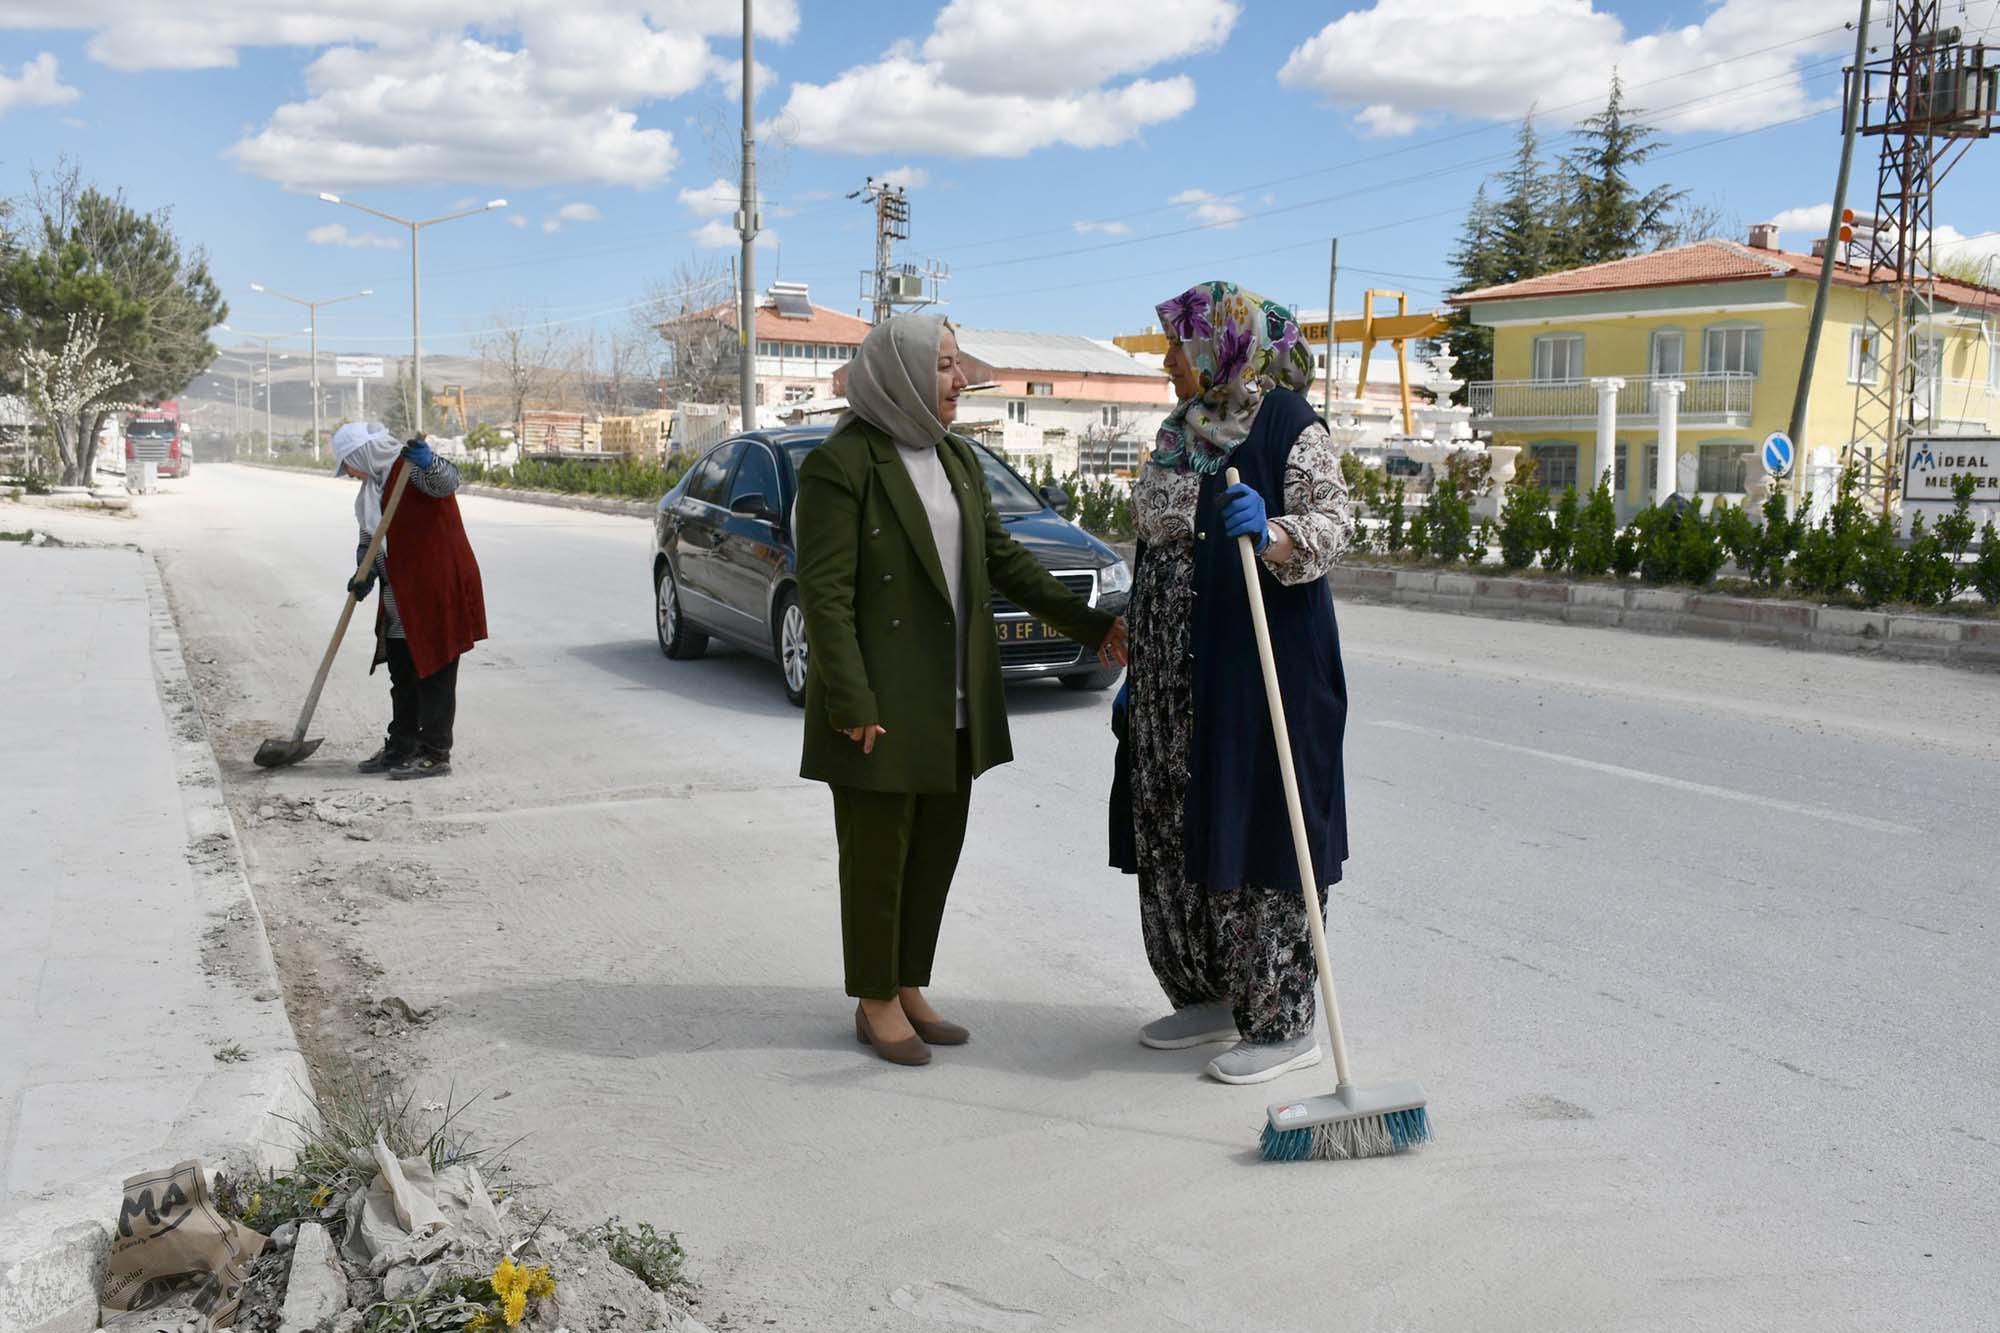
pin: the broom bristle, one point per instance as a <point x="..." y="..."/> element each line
<point x="1345" y="1140"/>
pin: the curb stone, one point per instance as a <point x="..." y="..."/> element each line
<point x="1972" y="644"/>
<point x="244" y="1116"/>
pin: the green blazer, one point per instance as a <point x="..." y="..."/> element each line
<point x="879" y="621"/>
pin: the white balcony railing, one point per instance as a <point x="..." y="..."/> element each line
<point x="1724" y="398"/>
<point x="1955" y="405"/>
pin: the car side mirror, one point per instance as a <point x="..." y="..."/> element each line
<point x="1056" y="497"/>
<point x="754" y="505"/>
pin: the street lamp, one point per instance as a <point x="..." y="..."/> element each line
<point x="416" y="344"/>
<point x="266" y="339"/>
<point x="312" y="308"/>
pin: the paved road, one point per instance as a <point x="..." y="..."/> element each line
<point x="1690" y="943"/>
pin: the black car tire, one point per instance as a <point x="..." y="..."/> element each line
<point x="1101" y="679"/>
<point x="678" y="639"/>
<point x="788" y="638"/>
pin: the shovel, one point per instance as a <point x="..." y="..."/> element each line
<point x="279" y="751"/>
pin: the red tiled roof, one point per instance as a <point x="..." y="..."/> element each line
<point x="1712" y="260"/>
<point x="825" y="326"/>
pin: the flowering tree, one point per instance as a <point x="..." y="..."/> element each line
<point x="70" y="390"/>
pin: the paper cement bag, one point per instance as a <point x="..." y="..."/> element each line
<point x="172" y="1246"/>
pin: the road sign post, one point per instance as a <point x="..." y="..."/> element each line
<point x="1778" y="453"/>
<point x="360" y="369"/>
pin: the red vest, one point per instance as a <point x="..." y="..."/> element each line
<point x="435" y="579"/>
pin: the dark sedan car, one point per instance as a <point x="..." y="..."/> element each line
<point x="725" y="565"/>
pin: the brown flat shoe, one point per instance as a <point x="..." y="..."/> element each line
<point x="941" y="1033"/>
<point x="908" y="1051"/>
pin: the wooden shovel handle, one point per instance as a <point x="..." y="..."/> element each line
<point x="347" y="611"/>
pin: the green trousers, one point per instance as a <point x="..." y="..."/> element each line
<point x="898" y="851"/>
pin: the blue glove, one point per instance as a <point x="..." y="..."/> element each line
<point x="420" y="455"/>
<point x="1243" y="515"/>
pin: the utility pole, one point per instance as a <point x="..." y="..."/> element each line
<point x="748" y="223"/>
<point x="1928" y="100"/>
<point x="1830" y="254"/>
<point x="892" y="224"/>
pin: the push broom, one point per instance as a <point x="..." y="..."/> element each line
<point x="1349" y="1122"/>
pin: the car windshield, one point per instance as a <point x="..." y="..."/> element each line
<point x="150" y="430"/>
<point x="1012" y="497"/>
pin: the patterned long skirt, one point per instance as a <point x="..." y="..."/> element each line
<point x="1250" y="947"/>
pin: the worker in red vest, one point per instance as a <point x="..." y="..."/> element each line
<point x="432" y="609"/>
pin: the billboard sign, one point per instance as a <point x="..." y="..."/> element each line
<point x="1933" y="462"/>
<point x="358" y="367"/>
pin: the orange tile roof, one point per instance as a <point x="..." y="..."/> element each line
<point x="1712" y="260"/>
<point x="825" y="326"/>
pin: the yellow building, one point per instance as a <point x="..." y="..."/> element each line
<point x="1702" y="345"/>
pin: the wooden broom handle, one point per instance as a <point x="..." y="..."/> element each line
<point x="347" y="611"/>
<point x="1253" y="585"/>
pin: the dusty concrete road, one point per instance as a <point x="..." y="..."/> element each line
<point x="1691" y="944"/>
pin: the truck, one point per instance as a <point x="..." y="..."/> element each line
<point x="156" y="435"/>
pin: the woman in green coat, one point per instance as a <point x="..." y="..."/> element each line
<point x="900" y="551"/>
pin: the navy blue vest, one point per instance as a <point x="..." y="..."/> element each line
<point x="1237" y="830"/>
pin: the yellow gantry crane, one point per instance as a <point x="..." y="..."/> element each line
<point x="1398" y="329"/>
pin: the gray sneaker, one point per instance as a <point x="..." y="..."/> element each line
<point x="1196" y="1025"/>
<point x="1249" y="1062"/>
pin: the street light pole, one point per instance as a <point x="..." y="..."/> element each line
<point x="312" y="310"/>
<point x="747" y="224"/>
<point x="267" y="339"/>
<point x="416" y="309"/>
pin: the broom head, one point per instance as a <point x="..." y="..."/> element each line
<point x="1351" y="1122"/>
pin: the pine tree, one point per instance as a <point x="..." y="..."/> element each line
<point x="1523" y="219"/>
<point x="1608" y="217"/>
<point x="1476" y="262"/>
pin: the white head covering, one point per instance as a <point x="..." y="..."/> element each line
<point x="370" y="448"/>
<point x="892" y="381"/>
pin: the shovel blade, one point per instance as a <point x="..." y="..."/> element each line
<point x="282" y="750"/>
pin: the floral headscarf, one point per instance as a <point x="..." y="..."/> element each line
<point x="1242" y="346"/>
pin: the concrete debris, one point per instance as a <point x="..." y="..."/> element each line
<point x="284" y="1236"/>
<point x="318" y="1287"/>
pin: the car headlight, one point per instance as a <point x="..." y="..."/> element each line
<point x="1115" y="577"/>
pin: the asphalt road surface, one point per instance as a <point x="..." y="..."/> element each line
<point x="1691" y="944"/>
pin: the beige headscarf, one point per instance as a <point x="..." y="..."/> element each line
<point x="372" y="450"/>
<point x="892" y="381"/>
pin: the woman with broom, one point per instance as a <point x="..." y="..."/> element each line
<point x="1200" y="813"/>
<point x="433" y="607"/>
<point x="900" y="550"/>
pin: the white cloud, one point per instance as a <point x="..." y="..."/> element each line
<point x="1811" y="218"/>
<point x="516" y="220"/>
<point x="454" y="110"/>
<point x="1396" y="61"/>
<point x="550" y="225"/>
<point x="1055" y="47"/>
<point x="1103" y="228"/>
<point x="38" y="84"/>
<point x="718" y="199"/>
<point x="910" y="178"/>
<point x="1954" y="246"/>
<point x="1002" y="78"/>
<point x="580" y="212"/>
<point x="1218" y="211"/>
<point x="717" y="234"/>
<point x="334" y="233"/>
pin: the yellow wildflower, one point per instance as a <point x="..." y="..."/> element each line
<point x="541" y="1282"/>
<point x="321" y="1195"/>
<point x="478" y="1322"/>
<point x="517" y="1306"/>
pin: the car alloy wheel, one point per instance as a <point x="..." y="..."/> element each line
<point x="668" y="610"/>
<point x="792" y="649"/>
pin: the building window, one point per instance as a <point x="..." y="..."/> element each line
<point x="1041" y="389"/>
<point x="1109" y="414"/>
<point x="1736" y="351"/>
<point x="1723" y="469"/>
<point x="1652" y="457"/>
<point x="765" y="347"/>
<point x="798" y="393"/>
<point x="1864" y="355"/>
<point x="1017" y="410"/>
<point x="1669" y="353"/>
<point x="1555" y="465"/>
<point x="1559" y="357"/>
<point x="1618" y="466"/>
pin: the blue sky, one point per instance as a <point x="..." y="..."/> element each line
<point x="1072" y="162"/>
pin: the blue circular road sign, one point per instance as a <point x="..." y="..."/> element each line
<point x="1778" y="453"/>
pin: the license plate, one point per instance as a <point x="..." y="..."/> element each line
<point x="1024" y="631"/>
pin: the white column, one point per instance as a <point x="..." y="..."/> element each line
<point x="1668" y="399"/>
<point x="1607" y="432"/>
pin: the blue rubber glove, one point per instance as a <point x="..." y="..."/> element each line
<point x="1243" y="515"/>
<point x="420" y="455"/>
